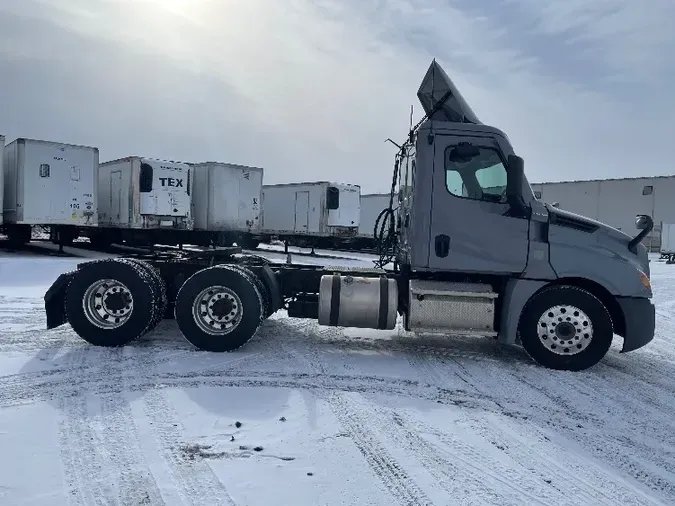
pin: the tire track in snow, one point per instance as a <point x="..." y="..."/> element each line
<point x="83" y="476"/>
<point x="460" y="469"/>
<point x="131" y="478"/>
<point x="103" y="460"/>
<point x="590" y="482"/>
<point x="193" y="481"/>
<point x="560" y="416"/>
<point x="196" y="482"/>
<point x="384" y="466"/>
<point x="650" y="387"/>
<point x="18" y="392"/>
<point x="390" y="472"/>
<point x="625" y="435"/>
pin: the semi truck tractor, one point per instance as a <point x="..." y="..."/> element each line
<point x="465" y="249"/>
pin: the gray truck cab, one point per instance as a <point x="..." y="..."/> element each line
<point x="467" y="215"/>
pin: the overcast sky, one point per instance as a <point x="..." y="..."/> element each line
<point x="309" y="89"/>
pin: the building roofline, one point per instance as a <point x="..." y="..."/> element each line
<point x="606" y="179"/>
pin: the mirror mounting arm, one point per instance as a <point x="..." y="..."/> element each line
<point x="514" y="187"/>
<point x="648" y="222"/>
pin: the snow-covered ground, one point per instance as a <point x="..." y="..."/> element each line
<point x="309" y="416"/>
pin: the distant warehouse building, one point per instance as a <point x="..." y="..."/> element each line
<point x="616" y="201"/>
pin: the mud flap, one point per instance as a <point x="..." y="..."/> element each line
<point x="55" y="301"/>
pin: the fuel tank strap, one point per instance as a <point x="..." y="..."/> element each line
<point x="383" y="313"/>
<point x="334" y="301"/>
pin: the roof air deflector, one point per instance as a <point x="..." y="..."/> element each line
<point x="437" y="87"/>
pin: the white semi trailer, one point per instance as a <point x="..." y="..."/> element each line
<point x="2" y="180"/>
<point x="316" y="214"/>
<point x="226" y="204"/>
<point x="373" y="206"/>
<point x="49" y="184"/>
<point x="143" y="201"/>
<point x="668" y="242"/>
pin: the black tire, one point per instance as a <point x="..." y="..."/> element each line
<point x="265" y="295"/>
<point x="134" y="278"/>
<point x="158" y="286"/>
<point x="249" y="314"/>
<point x="572" y="347"/>
<point x="247" y="258"/>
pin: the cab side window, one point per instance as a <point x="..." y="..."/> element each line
<point x="476" y="173"/>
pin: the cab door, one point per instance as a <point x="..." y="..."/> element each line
<point x="472" y="229"/>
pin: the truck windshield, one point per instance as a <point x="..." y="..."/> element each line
<point x="483" y="177"/>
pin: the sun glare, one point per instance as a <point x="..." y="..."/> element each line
<point x="183" y="7"/>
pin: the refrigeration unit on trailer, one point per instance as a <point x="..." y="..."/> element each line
<point x="49" y="184"/>
<point x="471" y="252"/>
<point x="372" y="206"/>
<point x="226" y="204"/>
<point x="143" y="201"/>
<point x="311" y="214"/>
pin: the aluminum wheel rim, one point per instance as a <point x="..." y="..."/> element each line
<point x="108" y="304"/>
<point x="217" y="310"/>
<point x="565" y="330"/>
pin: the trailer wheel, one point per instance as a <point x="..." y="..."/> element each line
<point x="566" y="328"/>
<point x="110" y="302"/>
<point x="219" y="308"/>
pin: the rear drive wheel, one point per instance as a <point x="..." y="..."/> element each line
<point x="265" y="295"/>
<point x="110" y="302"/>
<point x="219" y="308"/>
<point x="566" y="328"/>
<point x="158" y="287"/>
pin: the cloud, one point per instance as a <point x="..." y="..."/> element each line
<point x="310" y="89"/>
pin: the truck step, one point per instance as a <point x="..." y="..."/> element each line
<point x="451" y="307"/>
<point x="449" y="288"/>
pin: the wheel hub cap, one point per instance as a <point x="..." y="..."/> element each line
<point x="222" y="307"/>
<point x="217" y="310"/>
<point x="108" y="304"/>
<point x="565" y="330"/>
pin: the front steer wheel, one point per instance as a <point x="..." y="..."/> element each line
<point x="566" y="328"/>
<point x="110" y="302"/>
<point x="219" y="308"/>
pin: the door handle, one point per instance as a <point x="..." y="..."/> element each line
<point x="442" y="245"/>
